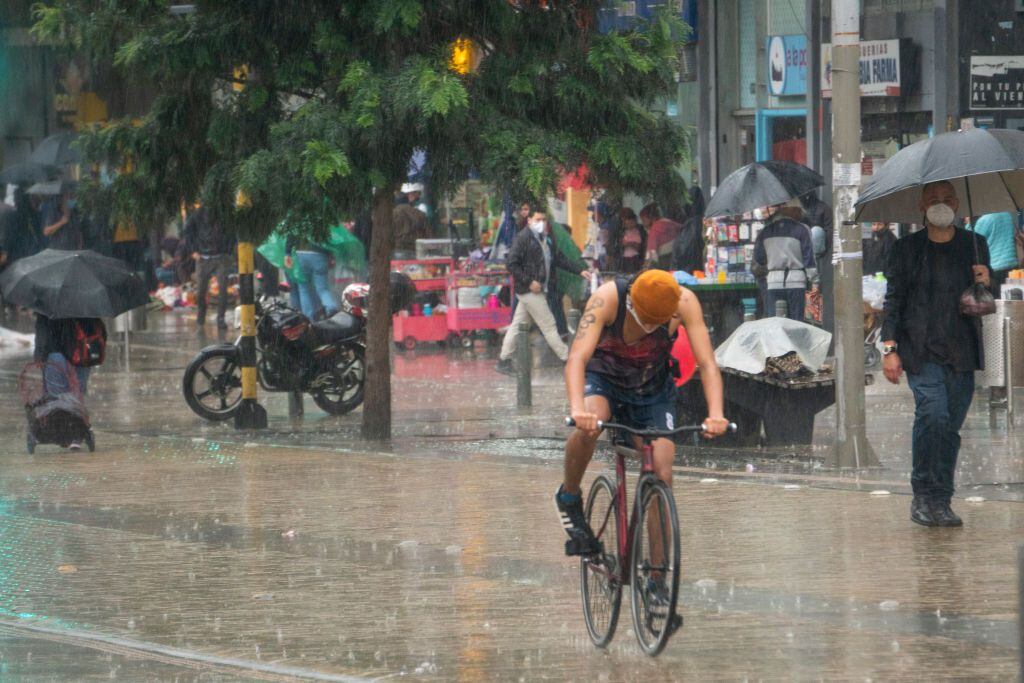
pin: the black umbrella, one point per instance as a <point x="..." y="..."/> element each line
<point x="73" y="284"/>
<point x="28" y="172"/>
<point x="763" y="183"/>
<point x="986" y="167"/>
<point x="57" y="150"/>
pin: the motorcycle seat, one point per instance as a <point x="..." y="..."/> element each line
<point x="338" y="327"/>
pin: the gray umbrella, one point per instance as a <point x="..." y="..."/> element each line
<point x="763" y="183"/>
<point x="28" y="172"/>
<point x="986" y="167"/>
<point x="57" y="150"/>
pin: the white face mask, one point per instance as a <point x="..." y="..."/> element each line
<point x="940" y="215"/>
<point x="538" y="227"/>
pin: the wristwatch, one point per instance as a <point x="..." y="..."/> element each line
<point x="888" y="348"/>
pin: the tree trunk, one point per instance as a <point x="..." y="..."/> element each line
<point x="377" y="401"/>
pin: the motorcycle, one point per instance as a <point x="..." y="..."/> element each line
<point x="324" y="359"/>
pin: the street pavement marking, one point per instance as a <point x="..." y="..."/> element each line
<point x="171" y="655"/>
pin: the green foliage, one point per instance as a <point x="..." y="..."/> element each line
<point x="338" y="95"/>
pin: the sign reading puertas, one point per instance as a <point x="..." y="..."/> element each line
<point x="997" y="82"/>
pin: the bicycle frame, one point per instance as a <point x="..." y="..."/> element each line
<point x="626" y="520"/>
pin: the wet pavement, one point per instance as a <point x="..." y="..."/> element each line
<point x="187" y="551"/>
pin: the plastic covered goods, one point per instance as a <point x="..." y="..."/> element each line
<point x="754" y="342"/>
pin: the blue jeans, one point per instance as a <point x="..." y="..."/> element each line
<point x="316" y="289"/>
<point x="55" y="375"/>
<point x="941" y="397"/>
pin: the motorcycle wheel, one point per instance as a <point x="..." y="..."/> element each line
<point x="347" y="380"/>
<point x="212" y="384"/>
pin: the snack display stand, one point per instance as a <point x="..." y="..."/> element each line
<point x="474" y="306"/>
<point x="412" y="327"/>
<point x="462" y="305"/>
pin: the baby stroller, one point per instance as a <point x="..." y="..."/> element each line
<point x="54" y="407"/>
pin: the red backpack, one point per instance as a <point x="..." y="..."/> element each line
<point x="89" y="343"/>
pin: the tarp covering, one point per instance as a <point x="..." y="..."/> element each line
<point x="754" y="342"/>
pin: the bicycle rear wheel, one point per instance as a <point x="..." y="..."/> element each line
<point x="599" y="574"/>
<point x="654" y="565"/>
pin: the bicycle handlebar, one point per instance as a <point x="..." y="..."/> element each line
<point x="650" y="433"/>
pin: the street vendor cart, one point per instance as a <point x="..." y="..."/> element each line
<point x="421" y="321"/>
<point x="475" y="310"/>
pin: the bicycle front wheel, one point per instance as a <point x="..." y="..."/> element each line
<point x="599" y="574"/>
<point x="654" y="565"/>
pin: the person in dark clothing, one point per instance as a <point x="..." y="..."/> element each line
<point x="688" y="248"/>
<point x="61" y="223"/>
<point x="212" y="249"/>
<point x="532" y="262"/>
<point x="877" y="248"/>
<point x="409" y="223"/>
<point x="939" y="348"/>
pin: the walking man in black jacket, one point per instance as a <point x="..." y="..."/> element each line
<point x="211" y="248"/>
<point x="532" y="262"/>
<point x="939" y="348"/>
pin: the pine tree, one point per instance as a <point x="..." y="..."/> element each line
<point x="313" y="109"/>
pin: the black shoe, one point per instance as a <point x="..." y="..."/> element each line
<point x="944" y="515"/>
<point x="656" y="599"/>
<point x="505" y="367"/>
<point x="581" y="537"/>
<point x="921" y="512"/>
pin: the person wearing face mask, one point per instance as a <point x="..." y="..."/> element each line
<point x="927" y="337"/>
<point x="532" y="262"/>
<point x="620" y="369"/>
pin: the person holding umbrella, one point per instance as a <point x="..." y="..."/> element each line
<point x="70" y="291"/>
<point x="927" y="336"/>
<point x="936" y="288"/>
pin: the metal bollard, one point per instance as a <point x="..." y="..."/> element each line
<point x="295" y="407"/>
<point x="524" y="361"/>
<point x="574" y="321"/>
<point x="781" y="309"/>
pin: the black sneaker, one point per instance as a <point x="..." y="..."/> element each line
<point x="570" y="514"/>
<point x="944" y="515"/>
<point x="656" y="600"/>
<point x="505" y="367"/>
<point x="921" y="512"/>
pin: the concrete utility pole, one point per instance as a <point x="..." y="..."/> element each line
<point x="852" y="448"/>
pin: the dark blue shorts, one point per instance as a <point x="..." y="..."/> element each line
<point x="655" y="411"/>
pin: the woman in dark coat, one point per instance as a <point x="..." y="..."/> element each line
<point x="628" y="244"/>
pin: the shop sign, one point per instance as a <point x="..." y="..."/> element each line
<point x="787" y="65"/>
<point x="997" y="82"/>
<point x="880" y="74"/>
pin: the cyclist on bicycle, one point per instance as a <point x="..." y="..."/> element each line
<point x="620" y="365"/>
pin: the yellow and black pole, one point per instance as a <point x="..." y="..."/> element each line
<point x="250" y="414"/>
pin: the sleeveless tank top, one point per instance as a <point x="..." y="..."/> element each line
<point x="642" y="367"/>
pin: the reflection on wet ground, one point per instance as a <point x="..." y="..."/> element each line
<point x="187" y="551"/>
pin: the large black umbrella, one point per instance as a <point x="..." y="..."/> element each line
<point x="986" y="167"/>
<point x="763" y="183"/>
<point x="28" y="172"/>
<point x="73" y="284"/>
<point x="56" y="150"/>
